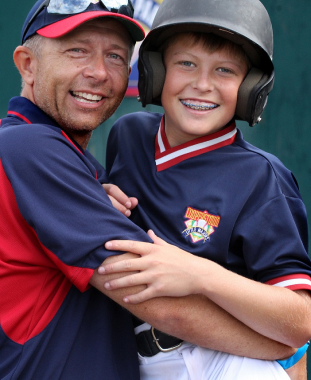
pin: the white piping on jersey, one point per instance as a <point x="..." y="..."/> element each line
<point x="191" y="148"/>
<point x="160" y="141"/>
<point x="288" y="283"/>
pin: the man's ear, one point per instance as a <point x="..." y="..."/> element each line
<point x="25" y="61"/>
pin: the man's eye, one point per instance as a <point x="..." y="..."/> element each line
<point x="76" y="50"/>
<point x="115" y="56"/>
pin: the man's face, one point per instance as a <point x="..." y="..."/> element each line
<point x="81" y="78"/>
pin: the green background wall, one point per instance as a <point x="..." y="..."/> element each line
<point x="285" y="129"/>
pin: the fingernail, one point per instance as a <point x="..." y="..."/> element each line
<point x="107" y="285"/>
<point x="125" y="299"/>
<point x="127" y="213"/>
<point x="101" y="270"/>
<point x="128" y="204"/>
<point x="108" y="244"/>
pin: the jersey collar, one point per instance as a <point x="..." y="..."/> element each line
<point x="28" y="112"/>
<point x="165" y="156"/>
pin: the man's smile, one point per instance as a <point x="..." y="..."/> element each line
<point x="84" y="97"/>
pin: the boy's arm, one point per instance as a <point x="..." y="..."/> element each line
<point x="119" y="199"/>
<point x="278" y="313"/>
<point x="196" y="319"/>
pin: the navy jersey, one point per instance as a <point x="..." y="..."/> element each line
<point x="55" y="218"/>
<point x="217" y="197"/>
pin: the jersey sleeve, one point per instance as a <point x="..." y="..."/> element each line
<point x="100" y="170"/>
<point x="61" y="200"/>
<point x="274" y="235"/>
<point x="112" y="146"/>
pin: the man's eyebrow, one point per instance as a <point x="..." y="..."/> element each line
<point x="87" y="41"/>
<point x="116" y="46"/>
<point x="82" y="40"/>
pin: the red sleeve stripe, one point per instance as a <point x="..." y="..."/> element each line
<point x="293" y="282"/>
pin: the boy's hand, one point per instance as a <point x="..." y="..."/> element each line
<point x="119" y="200"/>
<point x="165" y="269"/>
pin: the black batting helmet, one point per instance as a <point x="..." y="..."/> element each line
<point x="244" y="22"/>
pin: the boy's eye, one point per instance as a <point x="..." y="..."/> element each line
<point x="225" y="70"/>
<point x="186" y="63"/>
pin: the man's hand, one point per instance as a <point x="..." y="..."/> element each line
<point x="119" y="200"/>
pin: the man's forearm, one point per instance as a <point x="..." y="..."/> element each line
<point x="198" y="320"/>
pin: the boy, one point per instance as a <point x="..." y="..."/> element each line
<point x="207" y="191"/>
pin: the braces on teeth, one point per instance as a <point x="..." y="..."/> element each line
<point x="198" y="107"/>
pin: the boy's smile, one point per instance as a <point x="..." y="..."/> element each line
<point x="200" y="90"/>
<point x="200" y="107"/>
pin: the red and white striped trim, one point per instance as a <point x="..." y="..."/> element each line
<point x="165" y="156"/>
<point x="293" y="282"/>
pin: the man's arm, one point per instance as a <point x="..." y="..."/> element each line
<point x="299" y="370"/>
<point x="195" y="319"/>
<point x="276" y="312"/>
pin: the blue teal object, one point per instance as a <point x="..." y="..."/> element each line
<point x="287" y="363"/>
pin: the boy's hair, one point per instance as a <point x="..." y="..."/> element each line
<point x="243" y="22"/>
<point x="212" y="43"/>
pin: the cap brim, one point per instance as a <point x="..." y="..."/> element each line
<point x="62" y="27"/>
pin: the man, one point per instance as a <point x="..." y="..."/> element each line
<point x="55" y="215"/>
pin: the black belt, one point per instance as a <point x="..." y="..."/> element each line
<point x="151" y="342"/>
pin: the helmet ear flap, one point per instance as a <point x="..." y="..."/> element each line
<point x="151" y="77"/>
<point x="253" y="95"/>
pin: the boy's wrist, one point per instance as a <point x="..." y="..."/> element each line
<point x="287" y="363"/>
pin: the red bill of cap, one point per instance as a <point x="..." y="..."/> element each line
<point x="62" y="27"/>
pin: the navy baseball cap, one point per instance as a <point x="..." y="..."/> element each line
<point x="46" y="19"/>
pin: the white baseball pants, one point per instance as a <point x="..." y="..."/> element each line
<point x="191" y="362"/>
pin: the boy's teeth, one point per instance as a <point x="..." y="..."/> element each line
<point x="86" y="98"/>
<point x="201" y="107"/>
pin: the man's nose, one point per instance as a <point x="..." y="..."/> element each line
<point x="96" y="69"/>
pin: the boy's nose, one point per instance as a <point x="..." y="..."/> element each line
<point x="204" y="81"/>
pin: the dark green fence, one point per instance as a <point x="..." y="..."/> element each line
<point x="286" y="126"/>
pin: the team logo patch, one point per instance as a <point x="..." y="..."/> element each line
<point x="200" y="225"/>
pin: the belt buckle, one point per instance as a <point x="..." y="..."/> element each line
<point x="156" y="341"/>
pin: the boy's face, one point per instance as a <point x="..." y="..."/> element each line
<point x="200" y="90"/>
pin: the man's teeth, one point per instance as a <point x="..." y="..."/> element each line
<point x="200" y="107"/>
<point x="83" y="97"/>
